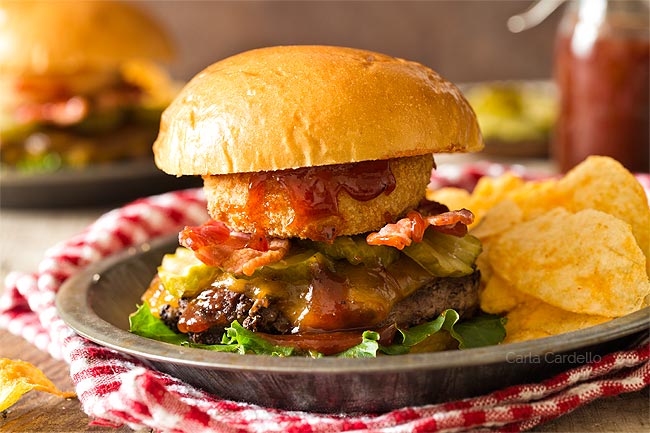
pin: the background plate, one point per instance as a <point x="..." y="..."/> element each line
<point x="97" y="302"/>
<point x="527" y="94"/>
<point x="104" y="184"/>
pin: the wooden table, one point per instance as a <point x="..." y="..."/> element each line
<point x="24" y="237"/>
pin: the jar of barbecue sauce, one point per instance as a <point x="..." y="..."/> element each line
<point x="602" y="65"/>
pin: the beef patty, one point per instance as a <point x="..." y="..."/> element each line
<point x="219" y="307"/>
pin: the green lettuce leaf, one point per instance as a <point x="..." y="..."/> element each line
<point x="246" y="341"/>
<point x="235" y="339"/>
<point x="482" y="330"/>
<point x="366" y="349"/>
<point x="418" y="334"/>
<point x="479" y="331"/>
<point x="145" y="324"/>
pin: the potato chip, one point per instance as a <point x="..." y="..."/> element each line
<point x="20" y="377"/>
<point x="537" y="319"/>
<point x="603" y="184"/>
<point x="536" y="197"/>
<point x="516" y="335"/>
<point x="483" y="264"/>
<point x="498" y="219"/>
<point x="588" y="262"/>
<point x="494" y="189"/>
<point x="488" y="192"/>
<point x="499" y="296"/>
<point x="491" y="190"/>
<point x="454" y="198"/>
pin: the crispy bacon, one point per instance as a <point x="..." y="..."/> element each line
<point x="52" y="102"/>
<point x="451" y="223"/>
<point x="215" y="244"/>
<point x="63" y="112"/>
<point x="411" y="228"/>
<point x="247" y="260"/>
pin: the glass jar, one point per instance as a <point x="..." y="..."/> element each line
<point x="602" y="69"/>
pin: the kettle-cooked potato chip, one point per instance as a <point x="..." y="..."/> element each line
<point x="499" y="296"/>
<point x="454" y="198"/>
<point x="537" y="319"/>
<point x="588" y="262"/>
<point x="498" y="220"/>
<point x="603" y="184"/>
<point x="491" y="190"/>
<point x="488" y="192"/>
<point x="19" y="377"/>
<point x="536" y="197"/>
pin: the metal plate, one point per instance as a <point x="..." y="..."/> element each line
<point x="515" y="148"/>
<point x="97" y="302"/>
<point x="105" y="184"/>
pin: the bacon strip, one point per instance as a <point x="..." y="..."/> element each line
<point x="411" y="228"/>
<point x="64" y="112"/>
<point x="215" y="244"/>
<point x="63" y="109"/>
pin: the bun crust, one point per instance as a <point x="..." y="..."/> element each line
<point x="52" y="37"/>
<point x="298" y="106"/>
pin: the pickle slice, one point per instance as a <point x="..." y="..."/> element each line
<point x="183" y="275"/>
<point x="295" y="267"/>
<point x="356" y="251"/>
<point x="445" y="255"/>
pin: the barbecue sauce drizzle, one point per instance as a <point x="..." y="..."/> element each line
<point x="313" y="191"/>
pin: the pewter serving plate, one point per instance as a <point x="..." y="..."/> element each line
<point x="97" y="302"/>
<point x="101" y="184"/>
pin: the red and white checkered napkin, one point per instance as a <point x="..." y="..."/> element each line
<point x="116" y="389"/>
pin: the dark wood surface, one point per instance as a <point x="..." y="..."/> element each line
<point x="41" y="412"/>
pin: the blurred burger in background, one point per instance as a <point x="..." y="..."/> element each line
<point x="79" y="83"/>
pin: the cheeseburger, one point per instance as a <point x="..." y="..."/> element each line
<point x="315" y="162"/>
<point x="79" y="83"/>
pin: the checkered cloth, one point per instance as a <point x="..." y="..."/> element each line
<point x="117" y="389"/>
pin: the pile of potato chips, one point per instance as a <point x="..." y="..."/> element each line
<point x="560" y="254"/>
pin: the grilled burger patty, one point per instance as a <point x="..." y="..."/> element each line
<point x="221" y="306"/>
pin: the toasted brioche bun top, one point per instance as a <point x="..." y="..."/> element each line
<point x="299" y="106"/>
<point x="62" y="37"/>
